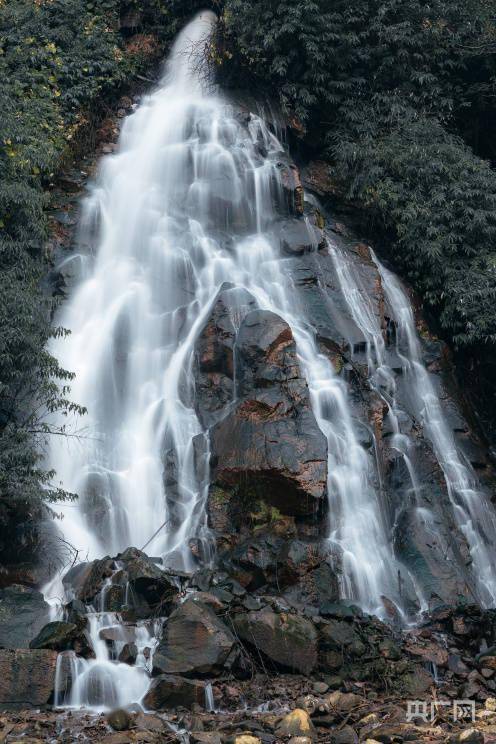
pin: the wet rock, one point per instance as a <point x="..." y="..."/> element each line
<point x="27" y="677"/>
<point x="270" y="447"/>
<point x="119" y="720"/>
<point x="294" y="197"/>
<point x="129" y="653"/>
<point x="194" y="642"/>
<point x="297" y="723"/>
<point x="146" y="580"/>
<point x="288" y="640"/>
<point x="85" y="580"/>
<point x="61" y="636"/>
<point x="23" y="612"/>
<point x="214" y="361"/>
<point x="170" y="691"/>
<point x="297" y="238"/>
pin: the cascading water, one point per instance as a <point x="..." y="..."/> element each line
<point x="190" y="202"/>
<point x="472" y="510"/>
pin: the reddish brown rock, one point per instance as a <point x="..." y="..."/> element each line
<point x="270" y="445"/>
<point x="195" y="642"/>
<point x="27" y="677"/>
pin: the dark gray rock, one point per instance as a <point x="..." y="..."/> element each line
<point x="288" y="640"/>
<point x="195" y="643"/>
<point x="61" y="636"/>
<point x="23" y="612"/>
<point x="170" y="691"/>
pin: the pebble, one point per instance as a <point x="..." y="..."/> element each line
<point x="471" y="736"/>
<point x="296" y="723"/>
<point x="119" y="720"/>
<point x="320" y="688"/>
<point x="490" y="704"/>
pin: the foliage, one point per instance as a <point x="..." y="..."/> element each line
<point x="384" y="89"/>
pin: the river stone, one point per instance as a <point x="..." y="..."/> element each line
<point x="295" y="237"/>
<point x="288" y="640"/>
<point x="296" y="723"/>
<point x="27" y="677"/>
<point x="129" y="653"/>
<point x="170" y="691"/>
<point x="119" y="720"/>
<point x="23" y="612"/>
<point x="269" y="446"/>
<point x="194" y="642"/>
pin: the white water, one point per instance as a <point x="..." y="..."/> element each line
<point x="472" y="510"/>
<point x="186" y="204"/>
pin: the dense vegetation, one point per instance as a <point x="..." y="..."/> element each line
<point x="58" y="59"/>
<point x="401" y="96"/>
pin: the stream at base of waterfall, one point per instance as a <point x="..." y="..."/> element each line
<point x="191" y="201"/>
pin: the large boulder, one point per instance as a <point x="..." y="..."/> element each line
<point x="27" y="677"/>
<point x="270" y="446"/>
<point x="170" y="691"/>
<point x="288" y="640"/>
<point x="195" y="643"/>
<point x="84" y="581"/>
<point x="131" y="580"/>
<point x="62" y="636"/>
<point x="23" y="612"/>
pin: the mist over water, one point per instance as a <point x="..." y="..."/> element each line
<point x="189" y="202"/>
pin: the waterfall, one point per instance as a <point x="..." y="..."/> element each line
<point x="190" y="201"/>
<point x="472" y="510"/>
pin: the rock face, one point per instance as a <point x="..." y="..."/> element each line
<point x="269" y="446"/>
<point x="195" y="643"/>
<point x="288" y="640"/>
<point x="23" y="612"/>
<point x="169" y="691"/>
<point x="109" y="581"/>
<point x="27" y="677"/>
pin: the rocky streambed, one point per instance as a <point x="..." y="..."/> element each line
<point x="232" y="662"/>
